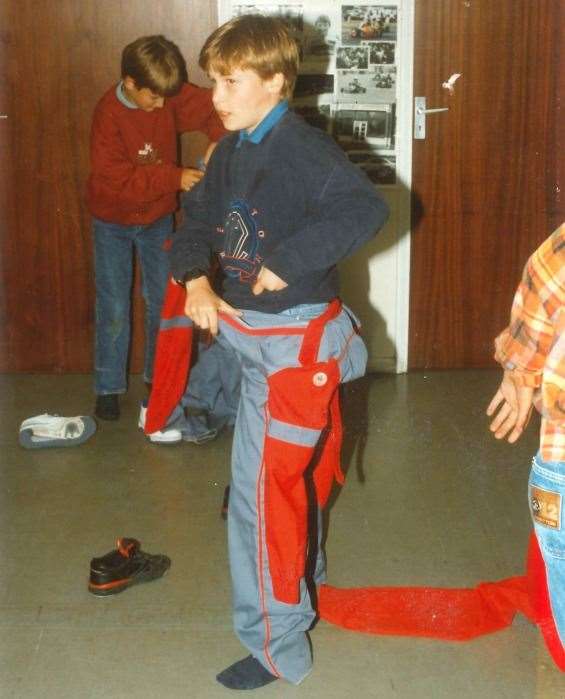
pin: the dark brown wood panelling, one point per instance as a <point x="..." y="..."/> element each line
<point x="57" y="60"/>
<point x="487" y="179"/>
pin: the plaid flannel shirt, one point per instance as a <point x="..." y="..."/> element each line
<point x="533" y="346"/>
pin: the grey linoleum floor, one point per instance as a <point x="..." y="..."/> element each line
<point x="431" y="499"/>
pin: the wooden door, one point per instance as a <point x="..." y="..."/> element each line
<point x="58" y="58"/>
<point x="487" y="180"/>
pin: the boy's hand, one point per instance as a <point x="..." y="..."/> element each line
<point x="514" y="405"/>
<point x="190" y="176"/>
<point x="203" y="305"/>
<point x="267" y="281"/>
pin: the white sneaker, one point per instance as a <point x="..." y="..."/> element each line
<point x="48" y="430"/>
<point x="166" y="436"/>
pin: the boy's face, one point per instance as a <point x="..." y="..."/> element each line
<point x="242" y="98"/>
<point x="144" y="98"/>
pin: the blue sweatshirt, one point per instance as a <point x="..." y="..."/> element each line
<point x="284" y="197"/>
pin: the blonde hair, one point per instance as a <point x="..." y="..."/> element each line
<point x="254" y="42"/>
<point x="155" y="63"/>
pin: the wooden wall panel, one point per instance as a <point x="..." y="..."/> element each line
<point x="555" y="180"/>
<point x="488" y="177"/>
<point x="57" y="60"/>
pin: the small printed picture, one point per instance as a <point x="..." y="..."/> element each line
<point x="369" y="124"/>
<point x="384" y="77"/>
<point x="353" y="82"/>
<point x="319" y="35"/>
<point x="308" y="85"/>
<point x="255" y="9"/>
<point x="368" y="23"/>
<point x="316" y="115"/>
<point x="353" y="57"/>
<point x="380" y="168"/>
<point x="382" y="52"/>
<point x="376" y="85"/>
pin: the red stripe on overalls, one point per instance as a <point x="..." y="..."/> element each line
<point x="260" y="497"/>
<point x="247" y="330"/>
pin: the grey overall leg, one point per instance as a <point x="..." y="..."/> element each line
<point x="274" y="632"/>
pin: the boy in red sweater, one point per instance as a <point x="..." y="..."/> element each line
<point x="132" y="194"/>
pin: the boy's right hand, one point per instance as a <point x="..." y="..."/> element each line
<point x="203" y="305"/>
<point x="512" y="404"/>
<point x="190" y="176"/>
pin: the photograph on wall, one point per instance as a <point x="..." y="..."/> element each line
<point x="368" y="23"/>
<point x="359" y="124"/>
<point x="376" y="85"/>
<point x="254" y="9"/>
<point x="350" y="57"/>
<point x="380" y="168"/>
<point x="319" y="35"/>
<point x="382" y="52"/>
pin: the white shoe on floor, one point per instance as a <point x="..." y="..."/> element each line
<point x="48" y="430"/>
<point x="166" y="436"/>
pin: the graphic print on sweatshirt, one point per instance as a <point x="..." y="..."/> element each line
<point x="240" y="258"/>
<point x="148" y="155"/>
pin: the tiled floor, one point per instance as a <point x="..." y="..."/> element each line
<point x="431" y="499"/>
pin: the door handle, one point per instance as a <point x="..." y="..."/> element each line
<point x="420" y="112"/>
<point x="432" y="111"/>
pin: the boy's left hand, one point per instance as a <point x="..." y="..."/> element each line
<point x="190" y="176"/>
<point x="267" y="281"/>
<point x="514" y="404"/>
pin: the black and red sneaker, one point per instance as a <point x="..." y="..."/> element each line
<point x="125" y="566"/>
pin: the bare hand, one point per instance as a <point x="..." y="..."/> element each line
<point x="267" y="281"/>
<point x="190" y="176"/>
<point x="514" y="405"/>
<point x="203" y="305"/>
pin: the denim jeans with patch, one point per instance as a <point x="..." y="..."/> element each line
<point x="546" y="492"/>
<point x="114" y="247"/>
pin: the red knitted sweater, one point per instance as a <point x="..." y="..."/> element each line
<point x="134" y="174"/>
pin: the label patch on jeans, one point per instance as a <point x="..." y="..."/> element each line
<point x="546" y="507"/>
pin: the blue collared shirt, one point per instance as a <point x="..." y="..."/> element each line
<point x="264" y="126"/>
<point x="122" y="97"/>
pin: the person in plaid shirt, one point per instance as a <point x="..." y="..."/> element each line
<point x="532" y="352"/>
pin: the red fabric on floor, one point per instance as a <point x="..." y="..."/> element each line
<point x="447" y="613"/>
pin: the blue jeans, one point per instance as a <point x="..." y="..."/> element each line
<point x="114" y="246"/>
<point x="546" y="492"/>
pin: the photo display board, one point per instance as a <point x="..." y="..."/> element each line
<point x="348" y="74"/>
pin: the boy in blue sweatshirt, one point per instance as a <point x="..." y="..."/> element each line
<point x="280" y="206"/>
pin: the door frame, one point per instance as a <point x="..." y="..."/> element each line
<point x="404" y="126"/>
